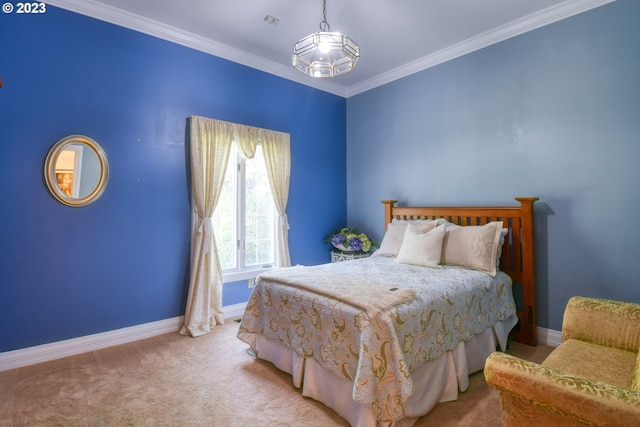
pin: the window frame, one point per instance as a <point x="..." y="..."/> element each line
<point x="241" y="271"/>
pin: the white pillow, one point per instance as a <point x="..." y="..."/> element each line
<point x="422" y="245"/>
<point x="472" y="246"/>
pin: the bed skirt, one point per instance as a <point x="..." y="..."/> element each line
<point x="435" y="381"/>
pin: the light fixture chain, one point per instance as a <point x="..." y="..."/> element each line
<point x="324" y="25"/>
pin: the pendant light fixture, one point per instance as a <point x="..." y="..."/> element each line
<point x="325" y="54"/>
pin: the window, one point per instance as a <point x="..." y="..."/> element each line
<point x="245" y="218"/>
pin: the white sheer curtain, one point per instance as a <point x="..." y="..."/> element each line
<point x="277" y="157"/>
<point x="210" y="142"/>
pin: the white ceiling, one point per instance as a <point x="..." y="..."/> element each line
<point x="396" y="37"/>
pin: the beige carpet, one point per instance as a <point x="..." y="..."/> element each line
<point x="172" y="380"/>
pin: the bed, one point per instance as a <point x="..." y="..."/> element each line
<point x="382" y="340"/>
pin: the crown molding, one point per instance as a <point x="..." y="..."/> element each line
<point x="157" y="29"/>
<point x="514" y="28"/>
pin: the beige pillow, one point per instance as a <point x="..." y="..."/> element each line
<point x="473" y="246"/>
<point x="503" y="236"/>
<point x="422" y="245"/>
<point x="392" y="240"/>
<point x="419" y="221"/>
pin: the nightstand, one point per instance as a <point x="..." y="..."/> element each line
<point x="337" y="256"/>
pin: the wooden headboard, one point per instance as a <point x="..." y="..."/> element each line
<point x="518" y="259"/>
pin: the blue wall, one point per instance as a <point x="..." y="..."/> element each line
<point x="123" y="260"/>
<point x="553" y="113"/>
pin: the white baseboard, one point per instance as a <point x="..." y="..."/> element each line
<point x="234" y="311"/>
<point x="56" y="350"/>
<point x="46" y="352"/>
<point x="549" y="336"/>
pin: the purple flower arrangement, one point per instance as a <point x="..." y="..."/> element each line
<point x="350" y="240"/>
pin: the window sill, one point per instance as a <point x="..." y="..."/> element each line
<point x="243" y="275"/>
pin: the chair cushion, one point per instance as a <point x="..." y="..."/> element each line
<point x="606" y="364"/>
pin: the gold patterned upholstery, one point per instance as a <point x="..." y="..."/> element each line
<point x="592" y="378"/>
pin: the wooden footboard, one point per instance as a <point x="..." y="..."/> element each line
<point x="518" y="259"/>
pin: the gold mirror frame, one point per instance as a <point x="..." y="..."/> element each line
<point x="51" y="173"/>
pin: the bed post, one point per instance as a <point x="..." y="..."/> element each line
<point x="388" y="207"/>
<point x="528" y="333"/>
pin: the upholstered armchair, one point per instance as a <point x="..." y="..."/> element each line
<point x="592" y="378"/>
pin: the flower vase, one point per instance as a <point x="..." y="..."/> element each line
<point x="341" y="247"/>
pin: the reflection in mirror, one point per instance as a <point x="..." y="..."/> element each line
<point x="76" y="170"/>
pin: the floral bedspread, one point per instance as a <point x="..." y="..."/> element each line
<point x="376" y="349"/>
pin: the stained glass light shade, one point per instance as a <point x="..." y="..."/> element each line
<point x="325" y="54"/>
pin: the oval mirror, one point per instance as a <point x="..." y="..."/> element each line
<point x="76" y="170"/>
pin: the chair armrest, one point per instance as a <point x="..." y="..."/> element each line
<point x="603" y="322"/>
<point x="532" y="394"/>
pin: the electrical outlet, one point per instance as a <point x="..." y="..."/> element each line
<point x="252" y="283"/>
